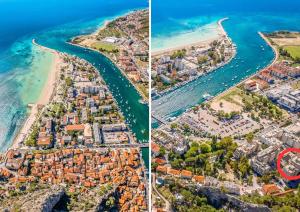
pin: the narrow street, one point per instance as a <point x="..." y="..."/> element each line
<point x="167" y="203"/>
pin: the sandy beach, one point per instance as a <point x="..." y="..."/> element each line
<point x="229" y="107"/>
<point x="88" y="40"/>
<point x="204" y="43"/>
<point x="45" y="97"/>
<point x="49" y="87"/>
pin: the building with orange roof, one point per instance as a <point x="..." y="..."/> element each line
<point x="186" y="174"/>
<point x="155" y="149"/>
<point x="45" y="142"/>
<point x="261" y="84"/>
<point x="174" y="172"/>
<point x="159" y="161"/>
<point x="161" y="169"/>
<point x="198" y="179"/>
<point x="75" y="128"/>
<point x="270" y="189"/>
<point x="250" y="85"/>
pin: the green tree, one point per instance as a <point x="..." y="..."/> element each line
<point x="205" y="148"/>
<point x="174" y="126"/>
<point x="250" y="137"/>
<point x="110" y="203"/>
<point x="202" y="60"/>
<point x="162" y="151"/>
<point x="68" y="81"/>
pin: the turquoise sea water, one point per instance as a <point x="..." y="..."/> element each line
<point x="246" y="18"/>
<point x="24" y="68"/>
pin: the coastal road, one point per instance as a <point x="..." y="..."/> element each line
<point x="168" y="205"/>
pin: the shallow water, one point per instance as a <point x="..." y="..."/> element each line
<point x="245" y="20"/>
<point x="23" y="68"/>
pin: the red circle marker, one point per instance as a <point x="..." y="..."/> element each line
<point x="280" y="170"/>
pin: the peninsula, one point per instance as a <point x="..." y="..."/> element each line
<point x="222" y="153"/>
<point x="76" y="146"/>
<point x="125" y="41"/>
<point x="175" y="67"/>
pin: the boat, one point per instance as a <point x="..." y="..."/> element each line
<point x="142" y="102"/>
<point x="207" y="96"/>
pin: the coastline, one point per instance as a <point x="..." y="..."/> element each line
<point x="221" y="33"/>
<point x="105" y="23"/>
<point x="44" y="98"/>
<point x="171" y="49"/>
<point x="144" y="98"/>
<point x="276" y="56"/>
<point x="166" y="91"/>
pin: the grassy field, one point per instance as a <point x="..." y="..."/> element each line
<point x="110" y="32"/>
<point x="234" y="94"/>
<point x="230" y="101"/>
<point x="294" y="51"/>
<point x="107" y="47"/>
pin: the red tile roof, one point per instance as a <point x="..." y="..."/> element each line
<point x="155" y="147"/>
<point x="270" y="189"/>
<point x="75" y="127"/>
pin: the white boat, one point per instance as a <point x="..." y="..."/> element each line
<point x="142" y="101"/>
<point x="207" y="96"/>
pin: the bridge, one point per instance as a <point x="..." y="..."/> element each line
<point x="158" y="119"/>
